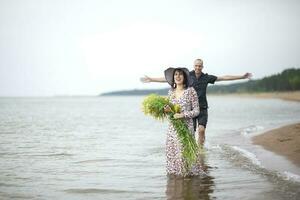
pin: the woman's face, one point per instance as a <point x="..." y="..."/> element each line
<point x="178" y="77"/>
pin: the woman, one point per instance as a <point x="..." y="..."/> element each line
<point x="185" y="96"/>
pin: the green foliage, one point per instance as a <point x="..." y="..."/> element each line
<point x="189" y="146"/>
<point x="153" y="105"/>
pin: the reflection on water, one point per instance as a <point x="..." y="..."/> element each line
<point x="192" y="188"/>
<point x="198" y="187"/>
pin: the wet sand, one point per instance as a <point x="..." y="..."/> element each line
<point x="284" y="141"/>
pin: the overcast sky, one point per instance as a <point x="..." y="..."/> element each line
<point x="86" y="47"/>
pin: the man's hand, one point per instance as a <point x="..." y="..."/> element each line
<point x="145" y="79"/>
<point x="247" y="75"/>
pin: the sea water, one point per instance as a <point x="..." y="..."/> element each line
<point x="106" y="148"/>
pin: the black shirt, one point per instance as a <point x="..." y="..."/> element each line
<point x="200" y="85"/>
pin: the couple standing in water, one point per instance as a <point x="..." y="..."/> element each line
<point x="188" y="89"/>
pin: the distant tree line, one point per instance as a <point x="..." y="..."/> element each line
<point x="287" y="80"/>
<point x="136" y="92"/>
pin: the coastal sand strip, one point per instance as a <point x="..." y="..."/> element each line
<point x="284" y="141"/>
<point x="290" y="96"/>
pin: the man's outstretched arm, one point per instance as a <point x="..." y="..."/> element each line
<point x="231" y="78"/>
<point x="147" y="79"/>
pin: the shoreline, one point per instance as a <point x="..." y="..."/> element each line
<point x="288" y="96"/>
<point x="283" y="141"/>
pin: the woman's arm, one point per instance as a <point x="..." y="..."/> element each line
<point x="195" y="105"/>
<point x="147" y="79"/>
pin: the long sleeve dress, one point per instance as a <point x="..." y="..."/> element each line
<point x="190" y="108"/>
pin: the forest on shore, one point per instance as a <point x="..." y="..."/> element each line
<point x="287" y="80"/>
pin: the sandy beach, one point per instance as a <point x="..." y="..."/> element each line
<point x="284" y="141"/>
<point x="290" y="96"/>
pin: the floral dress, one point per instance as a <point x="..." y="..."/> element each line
<point x="190" y="108"/>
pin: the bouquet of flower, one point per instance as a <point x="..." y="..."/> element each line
<point x="154" y="105"/>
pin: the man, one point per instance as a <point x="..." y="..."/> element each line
<point x="200" y="82"/>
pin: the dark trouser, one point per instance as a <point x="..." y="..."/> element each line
<point x="201" y="119"/>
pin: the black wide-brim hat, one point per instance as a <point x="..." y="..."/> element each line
<point x="169" y="74"/>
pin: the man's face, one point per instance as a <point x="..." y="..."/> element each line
<point x="198" y="66"/>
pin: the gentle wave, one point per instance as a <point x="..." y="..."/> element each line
<point x="94" y="160"/>
<point x="247" y="131"/>
<point x="102" y="191"/>
<point x="291" y="176"/>
<point x="249" y="155"/>
<point x="51" y="155"/>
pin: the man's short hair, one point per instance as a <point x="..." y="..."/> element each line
<point x="198" y="59"/>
